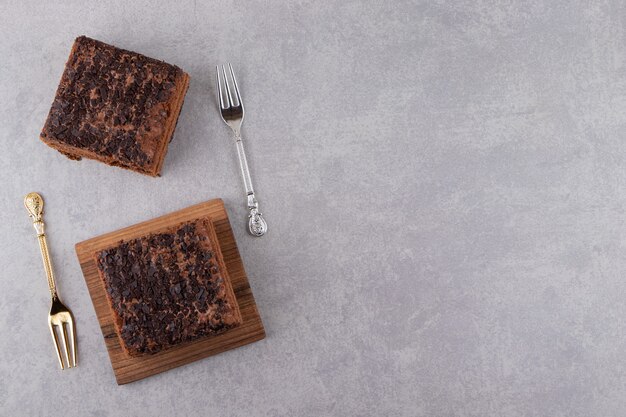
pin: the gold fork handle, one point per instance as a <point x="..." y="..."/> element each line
<point x="34" y="205"/>
<point x="45" y="256"/>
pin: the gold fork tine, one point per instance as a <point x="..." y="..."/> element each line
<point x="66" y="344"/>
<point x="56" y="343"/>
<point x="72" y="327"/>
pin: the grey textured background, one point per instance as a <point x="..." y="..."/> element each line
<point x="444" y="181"/>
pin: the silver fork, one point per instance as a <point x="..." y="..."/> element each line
<point x="231" y="109"/>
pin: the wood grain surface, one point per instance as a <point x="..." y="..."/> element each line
<point x="128" y="369"/>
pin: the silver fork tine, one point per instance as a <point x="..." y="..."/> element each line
<point x="219" y="88"/>
<point x="228" y="94"/>
<point x="67" y="344"/>
<point x="56" y="344"/>
<point x="237" y="95"/>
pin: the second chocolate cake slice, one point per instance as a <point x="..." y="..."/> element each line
<point x="168" y="287"/>
<point x="116" y="106"/>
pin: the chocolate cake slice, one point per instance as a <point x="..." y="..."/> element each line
<point x="169" y="287"/>
<point x="116" y="106"/>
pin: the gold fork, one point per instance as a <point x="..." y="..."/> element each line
<point x="60" y="316"/>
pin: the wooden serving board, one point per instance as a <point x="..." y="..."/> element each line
<point x="127" y="368"/>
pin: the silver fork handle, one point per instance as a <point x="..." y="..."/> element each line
<point x="256" y="223"/>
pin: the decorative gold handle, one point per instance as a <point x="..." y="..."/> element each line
<point x="34" y="205"/>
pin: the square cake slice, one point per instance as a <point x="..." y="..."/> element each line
<point x="115" y="106"/>
<point x="168" y="288"/>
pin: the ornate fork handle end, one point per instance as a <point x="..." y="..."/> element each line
<point x="257" y="226"/>
<point x="34" y="205"/>
<point x="256" y="223"/>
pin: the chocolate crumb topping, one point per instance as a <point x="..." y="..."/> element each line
<point x="168" y="288"/>
<point x="115" y="105"/>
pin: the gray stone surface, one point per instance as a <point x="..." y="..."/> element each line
<point x="444" y="184"/>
